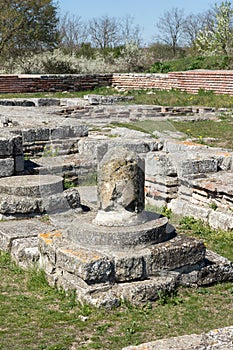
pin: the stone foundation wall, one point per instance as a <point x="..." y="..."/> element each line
<point x="192" y="180"/>
<point x="52" y="83"/>
<point x="220" y="82"/>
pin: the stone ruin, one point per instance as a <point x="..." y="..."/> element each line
<point x="116" y="250"/>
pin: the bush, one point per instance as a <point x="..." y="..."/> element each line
<point x="191" y="63"/>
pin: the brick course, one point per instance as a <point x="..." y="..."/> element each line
<point x="221" y="82"/>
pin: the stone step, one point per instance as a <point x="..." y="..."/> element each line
<point x="94" y="266"/>
<point x="31" y="186"/>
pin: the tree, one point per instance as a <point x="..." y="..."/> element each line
<point x="104" y="32"/>
<point x="171" y="27"/>
<point x="27" y="25"/>
<point x="219" y="38"/>
<point x="73" y="33"/>
<point x="129" y="32"/>
<point x="194" y="23"/>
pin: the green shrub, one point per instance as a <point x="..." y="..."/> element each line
<point x="191" y="63"/>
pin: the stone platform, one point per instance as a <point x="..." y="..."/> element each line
<point x="104" y="276"/>
<point x="30" y="195"/>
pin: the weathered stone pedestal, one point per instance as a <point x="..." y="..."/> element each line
<point x="22" y="196"/>
<point x="136" y="258"/>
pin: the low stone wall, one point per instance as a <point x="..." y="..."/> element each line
<point x="221" y="81"/>
<point x="52" y="83"/>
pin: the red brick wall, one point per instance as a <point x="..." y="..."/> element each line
<point x="221" y="82"/>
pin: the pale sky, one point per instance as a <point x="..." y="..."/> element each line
<point x="145" y="12"/>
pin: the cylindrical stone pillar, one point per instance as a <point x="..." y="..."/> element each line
<point x="121" y="178"/>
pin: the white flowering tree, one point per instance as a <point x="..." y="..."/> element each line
<point x="217" y="39"/>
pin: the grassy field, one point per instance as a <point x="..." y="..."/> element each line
<point x="36" y="316"/>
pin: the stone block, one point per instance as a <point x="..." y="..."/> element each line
<point x="17" y="145"/>
<point x="6" y="147"/>
<point x="90" y="266"/>
<point x="19" y="164"/>
<point x="196" y="166"/>
<point x="7" y="167"/>
<point x="19" y="229"/>
<point x="12" y="204"/>
<point x="47" y="244"/>
<point x="159" y="164"/>
<point x="25" y="251"/>
<point x="221" y="220"/>
<point x="129" y="267"/>
<point x="29" y="135"/>
<point x="173" y="254"/>
<point x="148" y="290"/>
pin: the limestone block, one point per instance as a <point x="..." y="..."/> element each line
<point x="6" y="147"/>
<point x="28" y="135"/>
<point x="128" y="268"/>
<point x="173" y="254"/>
<point x="42" y="134"/>
<point x="17" y="145"/>
<point x="159" y="164"/>
<point x="148" y="290"/>
<point x="218" y="269"/>
<point x="221" y="220"/>
<point x="184" y="208"/>
<point x="53" y="203"/>
<point x="196" y="166"/>
<point x="18" y="229"/>
<point x="90" y="266"/>
<point x="10" y="204"/>
<point x="47" y="245"/>
<point x="7" y="167"/>
<point x="73" y="198"/>
<point x="48" y="102"/>
<point x="25" y="251"/>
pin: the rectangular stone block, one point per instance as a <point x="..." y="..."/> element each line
<point x="173" y="254"/>
<point x="7" y="167"/>
<point x="17" y="145"/>
<point x="13" y="230"/>
<point x="128" y="268"/>
<point x="6" y="147"/>
<point x="90" y="266"/>
<point x="196" y="166"/>
<point x="19" y="164"/>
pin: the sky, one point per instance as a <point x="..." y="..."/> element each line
<point x="145" y="12"/>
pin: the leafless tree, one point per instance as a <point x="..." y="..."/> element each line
<point x="196" y="22"/>
<point x="73" y="32"/>
<point x="104" y="32"/>
<point x="171" y="28"/>
<point x="129" y="31"/>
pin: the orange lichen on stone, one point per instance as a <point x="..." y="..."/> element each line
<point x="48" y="236"/>
<point x="190" y="143"/>
<point x="223" y="153"/>
<point x="81" y="255"/>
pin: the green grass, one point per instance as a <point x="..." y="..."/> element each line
<point x="173" y="97"/>
<point x="217" y="240"/>
<point x="36" y="316"/>
<point x="221" y="131"/>
<point x="215" y="133"/>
